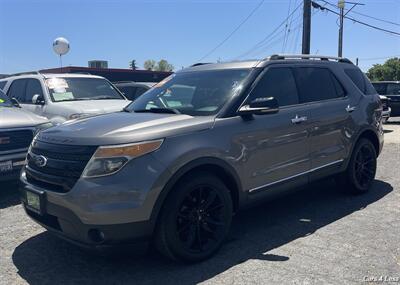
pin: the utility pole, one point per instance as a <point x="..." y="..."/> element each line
<point x="306" y="27"/>
<point x="341" y="5"/>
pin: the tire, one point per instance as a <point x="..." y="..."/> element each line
<point x="360" y="173"/>
<point x="195" y="218"/>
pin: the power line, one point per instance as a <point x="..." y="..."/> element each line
<point x="267" y="37"/>
<point x="364" y="15"/>
<point x="234" y="31"/>
<point x="287" y="28"/>
<point x="378" y="58"/>
<point x="316" y="5"/>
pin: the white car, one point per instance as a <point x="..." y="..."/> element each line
<point x="62" y="97"/>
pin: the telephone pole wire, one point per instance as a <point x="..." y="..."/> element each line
<point x="306" y="27"/>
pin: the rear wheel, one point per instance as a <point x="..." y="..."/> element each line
<point x="361" y="170"/>
<point x="195" y="218"/>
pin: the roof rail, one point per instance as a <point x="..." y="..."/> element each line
<point x="25" y="73"/>
<point x="307" y="56"/>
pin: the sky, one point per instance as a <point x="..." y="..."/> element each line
<point x="182" y="31"/>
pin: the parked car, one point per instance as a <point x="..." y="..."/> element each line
<point x="62" y="97"/>
<point x="17" y="128"/>
<point x="386" y="110"/>
<point x="390" y="89"/>
<point x="132" y="90"/>
<point x="173" y="168"/>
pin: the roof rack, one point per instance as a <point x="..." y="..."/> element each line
<point x="307" y="56"/>
<point x="199" y="63"/>
<point x="25" y="73"/>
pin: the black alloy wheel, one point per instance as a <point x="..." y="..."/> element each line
<point x="195" y="218"/>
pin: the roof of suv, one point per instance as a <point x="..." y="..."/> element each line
<point x="49" y="75"/>
<point x="263" y="62"/>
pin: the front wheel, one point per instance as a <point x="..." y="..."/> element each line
<point x="195" y="218"/>
<point x="361" y="170"/>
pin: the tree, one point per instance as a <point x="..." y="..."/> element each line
<point x="132" y="64"/>
<point x="162" y="65"/>
<point x="149" y="64"/>
<point x="389" y="71"/>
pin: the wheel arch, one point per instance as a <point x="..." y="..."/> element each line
<point x="210" y="164"/>
<point x="370" y="135"/>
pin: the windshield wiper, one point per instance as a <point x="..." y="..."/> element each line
<point x="159" y="110"/>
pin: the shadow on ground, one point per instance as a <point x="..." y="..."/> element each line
<point x="255" y="232"/>
<point x="9" y="195"/>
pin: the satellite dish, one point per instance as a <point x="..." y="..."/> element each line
<point x="60" y="46"/>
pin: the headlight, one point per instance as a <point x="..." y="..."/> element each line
<point x="78" y="116"/>
<point x="108" y="160"/>
<point x="43" y="127"/>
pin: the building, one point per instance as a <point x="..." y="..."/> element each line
<point x="114" y="74"/>
<point x="98" y="63"/>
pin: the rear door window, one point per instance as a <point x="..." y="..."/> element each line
<point x="317" y="84"/>
<point x="17" y="90"/>
<point x="278" y="83"/>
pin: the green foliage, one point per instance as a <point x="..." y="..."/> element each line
<point x="162" y="65"/>
<point x="389" y="71"/>
<point x="132" y="64"/>
<point x="149" y="64"/>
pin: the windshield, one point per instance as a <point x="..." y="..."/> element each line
<point x="80" y="88"/>
<point x="200" y="93"/>
<point x="4" y="100"/>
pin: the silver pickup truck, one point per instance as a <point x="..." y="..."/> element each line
<point x="17" y="129"/>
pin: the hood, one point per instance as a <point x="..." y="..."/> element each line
<point x="123" y="127"/>
<point x="12" y="117"/>
<point x="95" y="106"/>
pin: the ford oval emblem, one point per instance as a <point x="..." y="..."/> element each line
<point x="40" y="161"/>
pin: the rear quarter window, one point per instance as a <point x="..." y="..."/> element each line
<point x="357" y="77"/>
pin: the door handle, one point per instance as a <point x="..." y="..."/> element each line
<point x="298" y="120"/>
<point x="350" y="109"/>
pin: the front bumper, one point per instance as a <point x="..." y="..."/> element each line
<point x="118" y="207"/>
<point x="18" y="161"/>
<point x="65" y="224"/>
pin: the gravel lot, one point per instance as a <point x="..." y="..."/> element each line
<point x="316" y="236"/>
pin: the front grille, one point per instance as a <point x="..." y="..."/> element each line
<point x="12" y="140"/>
<point x="64" y="165"/>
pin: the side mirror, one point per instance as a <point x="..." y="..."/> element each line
<point x="15" y="102"/>
<point x="260" y="106"/>
<point x="38" y="99"/>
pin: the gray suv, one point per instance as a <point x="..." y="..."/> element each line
<point x="177" y="163"/>
<point x="17" y="128"/>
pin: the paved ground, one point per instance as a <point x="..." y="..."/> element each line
<point x="316" y="236"/>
